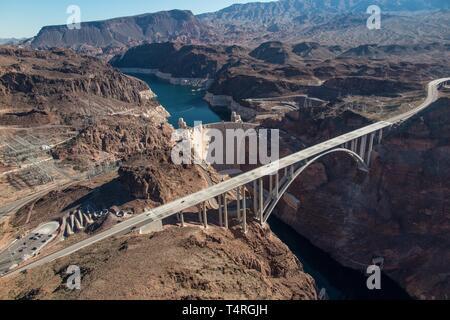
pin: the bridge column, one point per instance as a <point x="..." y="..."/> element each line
<point x="362" y="150"/>
<point x="244" y="214"/>
<point x="270" y="186"/>
<point x="353" y="146"/>
<point x="238" y="202"/>
<point x="261" y="201"/>
<point x="220" y="212"/>
<point x="380" y="136"/>
<point x="225" y="210"/>
<point x="277" y="184"/>
<point x="205" y="216"/>
<point x="182" y="219"/>
<point x="200" y="218"/>
<point x="369" y="155"/>
<point x="255" y="198"/>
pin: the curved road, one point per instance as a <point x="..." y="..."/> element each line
<point x="179" y="205"/>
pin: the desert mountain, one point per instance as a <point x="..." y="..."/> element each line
<point x="175" y="25"/>
<point x="258" y="12"/>
<point x="327" y="22"/>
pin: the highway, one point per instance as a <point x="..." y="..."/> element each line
<point x="25" y="248"/>
<point x="195" y="199"/>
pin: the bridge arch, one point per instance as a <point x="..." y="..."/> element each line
<point x="285" y="186"/>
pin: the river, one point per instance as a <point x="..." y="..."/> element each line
<point x="181" y="101"/>
<point x="339" y="282"/>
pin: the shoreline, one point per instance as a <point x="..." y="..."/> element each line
<point x="200" y="83"/>
<point x="222" y="104"/>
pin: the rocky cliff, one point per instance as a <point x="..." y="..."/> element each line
<point x="399" y="211"/>
<point x="340" y="23"/>
<point x="175" y="25"/>
<point x="59" y="86"/>
<point x="287" y="10"/>
<point x="177" y="264"/>
<point x="182" y="61"/>
<point x="348" y="79"/>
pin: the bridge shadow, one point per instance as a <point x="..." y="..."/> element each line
<point x="110" y="194"/>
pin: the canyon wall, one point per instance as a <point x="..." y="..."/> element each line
<point x="399" y="210"/>
<point x="192" y="82"/>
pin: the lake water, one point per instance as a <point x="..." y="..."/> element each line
<point x="181" y="101"/>
<point x="340" y="283"/>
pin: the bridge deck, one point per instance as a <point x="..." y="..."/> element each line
<point x="222" y="188"/>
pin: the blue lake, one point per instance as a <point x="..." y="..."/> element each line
<point x="181" y="101"/>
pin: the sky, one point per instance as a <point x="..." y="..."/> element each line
<point x="25" y="18"/>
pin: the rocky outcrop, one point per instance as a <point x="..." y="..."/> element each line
<point x="313" y="50"/>
<point x="153" y="176"/>
<point x="364" y="86"/>
<point x="114" y="139"/>
<point x="375" y="51"/>
<point x="109" y="85"/>
<point x="177" y="264"/>
<point x="399" y="211"/>
<point x="61" y="87"/>
<point x="189" y="61"/>
<point x="272" y="52"/>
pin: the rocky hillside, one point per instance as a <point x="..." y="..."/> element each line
<point x="61" y="87"/>
<point x="274" y="69"/>
<point x="153" y="176"/>
<point x="177" y="264"/>
<point x="182" y="61"/>
<point x="398" y="211"/>
<point x="275" y="11"/>
<point x="331" y="22"/>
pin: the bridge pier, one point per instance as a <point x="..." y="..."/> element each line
<point x="270" y="185"/>
<point x="362" y="150"/>
<point x="380" y="136"/>
<point x="369" y="155"/>
<point x="353" y="145"/>
<point x="182" y="219"/>
<point x="255" y="198"/>
<point x="238" y="202"/>
<point x="220" y="211"/>
<point x="225" y="210"/>
<point x="244" y="215"/>
<point x="152" y="227"/>
<point x="261" y="201"/>
<point x="200" y="218"/>
<point x="277" y="184"/>
<point x="205" y="216"/>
